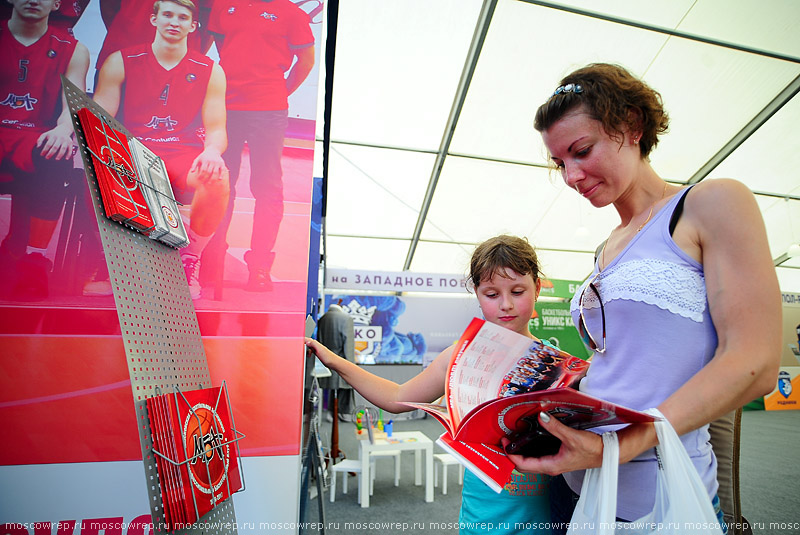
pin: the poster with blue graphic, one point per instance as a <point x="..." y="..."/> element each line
<point x="393" y="329"/>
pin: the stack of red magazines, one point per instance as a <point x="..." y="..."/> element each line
<point x="196" y="459"/>
<point x="119" y="183"/>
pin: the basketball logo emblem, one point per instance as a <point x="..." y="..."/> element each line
<point x="51" y="53"/>
<point x="191" y="77"/>
<point x="169" y="216"/>
<point x="204" y="435"/>
<point x="120" y="167"/>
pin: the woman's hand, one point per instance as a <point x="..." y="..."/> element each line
<point x="583" y="449"/>
<point x="579" y="450"/>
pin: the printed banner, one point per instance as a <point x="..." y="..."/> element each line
<point x="404" y="330"/>
<point x="409" y="281"/>
<point x="553" y="323"/>
<point x="394" y="281"/>
<point x="233" y="122"/>
<point x="564" y="289"/>
<point x="790" y="299"/>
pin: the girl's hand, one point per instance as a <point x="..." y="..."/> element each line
<point x="324" y="354"/>
<point x="579" y="450"/>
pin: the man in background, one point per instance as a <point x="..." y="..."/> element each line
<point x="335" y="331"/>
<point x="267" y="49"/>
<point x="65" y="17"/>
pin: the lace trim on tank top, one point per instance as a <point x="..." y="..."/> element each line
<point x="667" y="285"/>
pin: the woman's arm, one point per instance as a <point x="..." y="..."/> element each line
<point x="744" y="302"/>
<point x="425" y="387"/>
<point x="723" y="227"/>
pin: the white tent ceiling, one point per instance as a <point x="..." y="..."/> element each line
<point x="432" y="147"/>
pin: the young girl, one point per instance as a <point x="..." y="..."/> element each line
<point x="504" y="271"/>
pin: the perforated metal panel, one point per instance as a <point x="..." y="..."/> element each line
<point x="163" y="348"/>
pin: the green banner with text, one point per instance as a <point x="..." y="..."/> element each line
<point x="559" y="288"/>
<point x="553" y="322"/>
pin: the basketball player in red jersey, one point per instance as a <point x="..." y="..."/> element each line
<point x="267" y="49"/>
<point x="128" y="23"/>
<point x="65" y="17"/>
<point x="174" y="102"/>
<point x="36" y="138"/>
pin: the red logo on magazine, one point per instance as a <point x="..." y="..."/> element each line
<point x="204" y="434"/>
<point x="119" y="164"/>
<point x="169" y="215"/>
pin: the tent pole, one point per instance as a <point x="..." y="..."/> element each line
<point x="478" y="38"/>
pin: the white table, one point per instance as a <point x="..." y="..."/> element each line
<point x="415" y="441"/>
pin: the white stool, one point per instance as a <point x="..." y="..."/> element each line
<point x="445" y="459"/>
<point x="375" y="455"/>
<point x="348" y="465"/>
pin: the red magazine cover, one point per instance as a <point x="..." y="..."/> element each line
<point x="204" y="438"/>
<point x="498" y="382"/>
<point x="174" y="492"/>
<point x="157" y="431"/>
<point x="119" y="183"/>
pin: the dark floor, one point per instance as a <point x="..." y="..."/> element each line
<point x="770" y="483"/>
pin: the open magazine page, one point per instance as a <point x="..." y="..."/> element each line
<point x="484" y="355"/>
<point x="487" y="462"/>
<point x="439" y="412"/>
<point x="501" y="417"/>
<point x="476" y="444"/>
<point x="498" y="381"/>
<point x="491" y="361"/>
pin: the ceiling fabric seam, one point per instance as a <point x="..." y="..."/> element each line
<point x="450" y="242"/>
<point x="754" y="124"/>
<point x="384" y="188"/>
<point x="661" y="29"/>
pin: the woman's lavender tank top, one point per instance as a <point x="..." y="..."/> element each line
<point x="658" y="335"/>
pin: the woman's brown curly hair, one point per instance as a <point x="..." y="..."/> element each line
<point x="613" y="96"/>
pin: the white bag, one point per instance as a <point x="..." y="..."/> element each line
<point x="596" y="510"/>
<point x="682" y="505"/>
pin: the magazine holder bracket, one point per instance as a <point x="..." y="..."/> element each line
<point x="202" y="457"/>
<point x="160" y="333"/>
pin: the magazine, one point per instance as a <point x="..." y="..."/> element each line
<point x="159" y="195"/>
<point x="133" y="182"/>
<point x="117" y="178"/>
<point x="197" y="461"/>
<point x="498" y="382"/>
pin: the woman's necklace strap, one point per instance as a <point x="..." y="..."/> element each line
<point x="649" y="216"/>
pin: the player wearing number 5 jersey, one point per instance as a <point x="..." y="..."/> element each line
<point x="36" y="138"/>
<point x="173" y="100"/>
<point x="64" y="18"/>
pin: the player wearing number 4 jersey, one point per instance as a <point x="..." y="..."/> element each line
<point x="36" y="139"/>
<point x="162" y="107"/>
<point x="173" y="100"/>
<point x="128" y="23"/>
